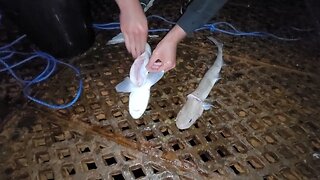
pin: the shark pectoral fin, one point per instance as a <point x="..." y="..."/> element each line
<point x="138" y="102"/>
<point x="125" y="86"/>
<point x="206" y="105"/>
<point x="116" y="40"/>
<point x="153" y="78"/>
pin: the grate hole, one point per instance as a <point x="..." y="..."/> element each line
<point x="240" y="148"/>
<point x="222" y="152"/>
<point x="268" y="177"/>
<point x="83" y="149"/>
<point x="196" y="125"/>
<point x="156" y="169"/>
<point x="138" y="172"/>
<point x="205" y="156"/>
<point x="284" y="134"/>
<point x="210" y="137"/>
<point x="101" y="117"/>
<point x="271" y="157"/>
<point x="127" y="157"/>
<point x="64" y="153"/>
<point x="270" y="139"/>
<point x="219" y="171"/>
<point x="91" y="165"/>
<point x="37" y="128"/>
<point x="108" y="128"/>
<point x="43" y="157"/>
<point x="188" y="158"/>
<point x="59" y="137"/>
<point x="225" y="133"/>
<point x="148" y="135"/>
<point x="255" y="163"/>
<point x="124" y="125"/>
<point x="176" y="145"/>
<point x="221" y="133"/>
<point x="171" y="115"/>
<point x="176" y="100"/>
<point x="235" y="169"/>
<point x="149" y="108"/>
<point x="163" y="104"/>
<point x="80" y="109"/>
<point x="39" y="142"/>
<point x="155" y="118"/>
<point x="118" y="176"/>
<point x="140" y="122"/>
<point x="47" y="175"/>
<point x="69" y="170"/>
<point x="131" y="136"/>
<point x="95" y="106"/>
<point x="193" y="141"/>
<point x="167" y="90"/>
<point x="165" y="131"/>
<point x="159" y="148"/>
<point x="116" y="113"/>
<point x="255" y="142"/>
<point x="110" y="161"/>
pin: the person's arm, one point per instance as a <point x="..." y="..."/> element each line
<point x="197" y="14"/>
<point x="134" y="26"/>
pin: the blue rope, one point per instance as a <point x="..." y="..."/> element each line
<point x="6" y="54"/>
<point x="214" y="27"/>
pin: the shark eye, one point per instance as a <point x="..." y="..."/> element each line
<point x="190" y="120"/>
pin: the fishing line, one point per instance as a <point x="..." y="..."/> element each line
<point x="6" y="54"/>
<point x="221" y="27"/>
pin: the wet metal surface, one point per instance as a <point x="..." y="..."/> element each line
<point x="264" y="124"/>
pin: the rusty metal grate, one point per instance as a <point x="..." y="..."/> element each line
<point x="264" y="124"/>
<point x="43" y="147"/>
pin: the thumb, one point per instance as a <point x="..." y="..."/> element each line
<point x="151" y="61"/>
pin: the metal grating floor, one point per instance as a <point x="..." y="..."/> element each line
<point x="264" y="124"/>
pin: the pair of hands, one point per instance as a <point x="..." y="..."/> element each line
<point x="134" y="27"/>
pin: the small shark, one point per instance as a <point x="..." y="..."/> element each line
<point x="139" y="83"/>
<point x="196" y="104"/>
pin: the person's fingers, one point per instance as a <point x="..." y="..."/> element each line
<point x="127" y="42"/>
<point x="132" y="46"/>
<point x="167" y="66"/>
<point x="150" y="66"/>
<point x="144" y="37"/>
<point x="141" y="40"/>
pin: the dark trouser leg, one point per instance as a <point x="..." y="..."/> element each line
<point x="60" y="27"/>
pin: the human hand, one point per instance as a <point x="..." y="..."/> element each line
<point x="134" y="26"/>
<point x="163" y="58"/>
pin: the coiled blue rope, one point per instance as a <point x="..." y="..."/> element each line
<point x="213" y="27"/>
<point x="6" y="54"/>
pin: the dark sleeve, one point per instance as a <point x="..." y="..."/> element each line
<point x="198" y="13"/>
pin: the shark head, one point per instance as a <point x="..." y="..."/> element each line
<point x="189" y="113"/>
<point x="139" y="95"/>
